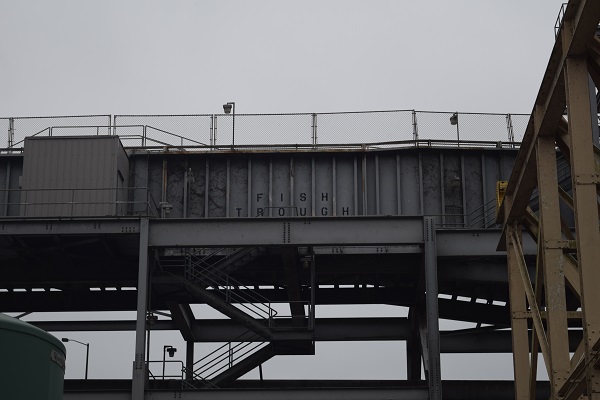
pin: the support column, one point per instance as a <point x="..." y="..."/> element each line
<point x="413" y="348"/>
<point x="518" y="310"/>
<point x="431" y="304"/>
<point x="550" y="258"/>
<point x="139" y="364"/>
<point x="585" y="199"/>
<point x="189" y="360"/>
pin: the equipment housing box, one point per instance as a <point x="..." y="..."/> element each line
<point x="71" y="176"/>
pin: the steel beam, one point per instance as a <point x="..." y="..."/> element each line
<point x="474" y="242"/>
<point x="305" y="390"/>
<point x="550" y="263"/>
<point x="585" y="198"/>
<point x="566" y="84"/>
<point x="518" y="307"/>
<point x="301" y="231"/>
<point x="79" y="227"/>
<point x="431" y="306"/>
<point x="139" y="364"/>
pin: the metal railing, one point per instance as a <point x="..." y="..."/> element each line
<point x="70" y="202"/>
<point x="225" y="357"/>
<point x="559" y="19"/>
<point x="236" y="293"/>
<point x="162" y="365"/>
<point x="215" y="131"/>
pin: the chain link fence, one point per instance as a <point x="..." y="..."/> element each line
<point x="15" y="130"/>
<point x="306" y="129"/>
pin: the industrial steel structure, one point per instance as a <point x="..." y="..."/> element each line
<point x="562" y="293"/>
<point x="266" y="234"/>
<point x="244" y="230"/>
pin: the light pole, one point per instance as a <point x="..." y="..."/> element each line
<point x="454" y="121"/>
<point x="171" y="351"/>
<point x="228" y="107"/>
<point x="87" y="352"/>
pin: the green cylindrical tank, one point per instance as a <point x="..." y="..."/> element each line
<point x="32" y="362"/>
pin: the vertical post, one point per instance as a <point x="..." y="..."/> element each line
<point x="313" y="287"/>
<point x="431" y="304"/>
<point x="593" y="111"/>
<point x="189" y="360"/>
<point x="552" y="261"/>
<point x="212" y="129"/>
<point x="518" y="309"/>
<point x="415" y="126"/>
<point x="509" y="128"/>
<point x="585" y="198"/>
<point x="11" y="132"/>
<point x="87" y="359"/>
<point x="139" y="365"/>
<point x="413" y="347"/>
<point x="233" y="127"/>
<point x="314" y="129"/>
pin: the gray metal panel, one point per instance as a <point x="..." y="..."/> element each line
<point x="388" y="203"/>
<point x="327" y="184"/>
<point x="344" y="185"/>
<point x="432" y="194"/>
<point x="196" y="197"/>
<point x="323" y="186"/>
<point x="217" y="184"/>
<point x="473" y="189"/>
<point x="302" y="185"/>
<point x="409" y="182"/>
<point x="280" y="192"/>
<point x="452" y="181"/>
<point x="238" y="178"/>
<point x="296" y="231"/>
<point x="70" y="176"/>
<point x="260" y="187"/>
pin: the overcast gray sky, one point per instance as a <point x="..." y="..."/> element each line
<point x="68" y="57"/>
<point x="65" y="57"/>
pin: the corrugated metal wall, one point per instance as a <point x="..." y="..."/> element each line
<point x="91" y="176"/>
<point x="73" y="176"/>
<point x="456" y="185"/>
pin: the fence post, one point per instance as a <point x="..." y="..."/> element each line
<point x="415" y="126"/>
<point x="114" y="126"/>
<point x="109" y="122"/>
<point x="213" y="129"/>
<point x="314" y="129"/>
<point x="11" y="132"/>
<point x="509" y="128"/>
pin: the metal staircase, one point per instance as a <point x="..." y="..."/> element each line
<point x="206" y="275"/>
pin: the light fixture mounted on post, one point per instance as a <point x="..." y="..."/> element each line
<point x="87" y="352"/>
<point x="229" y="108"/>
<point x="454" y="121"/>
<point x="167" y="349"/>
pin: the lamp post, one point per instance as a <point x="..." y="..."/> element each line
<point x="227" y="108"/>
<point x="454" y="121"/>
<point x="87" y="352"/>
<point x="171" y="350"/>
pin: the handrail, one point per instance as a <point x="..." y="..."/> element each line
<point x="249" y="303"/>
<point x="156" y="377"/>
<point x="68" y="199"/>
<point x="212" y="362"/>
